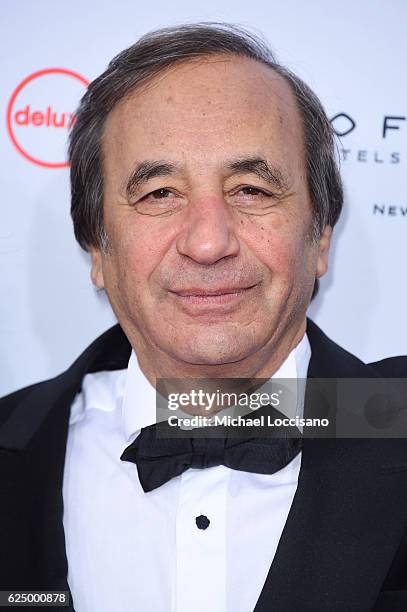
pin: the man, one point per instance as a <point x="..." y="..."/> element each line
<point x="205" y="188"/>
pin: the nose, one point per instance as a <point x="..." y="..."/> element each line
<point x="208" y="234"/>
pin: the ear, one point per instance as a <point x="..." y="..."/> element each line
<point x="323" y="251"/>
<point x="96" y="273"/>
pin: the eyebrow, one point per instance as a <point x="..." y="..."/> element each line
<point x="270" y="173"/>
<point x="147" y="170"/>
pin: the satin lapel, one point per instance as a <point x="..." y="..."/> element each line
<point x="32" y="508"/>
<point x="32" y="455"/>
<point x="343" y="529"/>
<point x="348" y="514"/>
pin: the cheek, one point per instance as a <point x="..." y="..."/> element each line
<point x="135" y="251"/>
<point x="281" y="248"/>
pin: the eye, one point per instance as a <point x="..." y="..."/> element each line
<point x="162" y="201"/>
<point x="250" y="195"/>
<point x="252" y="200"/>
<point x="253" y="191"/>
<point x="158" y="194"/>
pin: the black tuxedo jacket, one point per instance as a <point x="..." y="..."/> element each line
<point x="344" y="545"/>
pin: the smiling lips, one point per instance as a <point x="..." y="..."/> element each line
<point x="222" y="295"/>
<point x="194" y="292"/>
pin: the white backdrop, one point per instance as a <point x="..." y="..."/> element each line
<point x="353" y="54"/>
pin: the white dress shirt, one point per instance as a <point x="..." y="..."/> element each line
<point x="131" y="551"/>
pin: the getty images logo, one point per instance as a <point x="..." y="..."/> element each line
<point x="40" y="113"/>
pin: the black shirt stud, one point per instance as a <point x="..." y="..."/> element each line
<point x="202" y="521"/>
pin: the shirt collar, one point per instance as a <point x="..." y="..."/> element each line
<point x="139" y="400"/>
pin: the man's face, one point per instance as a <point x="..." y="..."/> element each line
<point x="207" y="214"/>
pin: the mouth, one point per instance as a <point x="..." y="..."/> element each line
<point x="195" y="296"/>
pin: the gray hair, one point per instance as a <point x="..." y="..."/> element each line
<point x="149" y="56"/>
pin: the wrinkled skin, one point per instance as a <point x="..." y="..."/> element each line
<point x="207" y="225"/>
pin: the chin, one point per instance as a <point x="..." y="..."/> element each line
<point x="207" y="359"/>
<point x="211" y="349"/>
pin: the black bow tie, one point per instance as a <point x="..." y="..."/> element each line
<point x="159" y="459"/>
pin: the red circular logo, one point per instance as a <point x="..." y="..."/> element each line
<point x="40" y="112"/>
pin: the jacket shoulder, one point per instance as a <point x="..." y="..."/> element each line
<point x="391" y="367"/>
<point x="24" y="409"/>
<point x="9" y="402"/>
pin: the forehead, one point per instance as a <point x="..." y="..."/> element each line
<point x="213" y="105"/>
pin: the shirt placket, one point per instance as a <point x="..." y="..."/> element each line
<point x="200" y="577"/>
